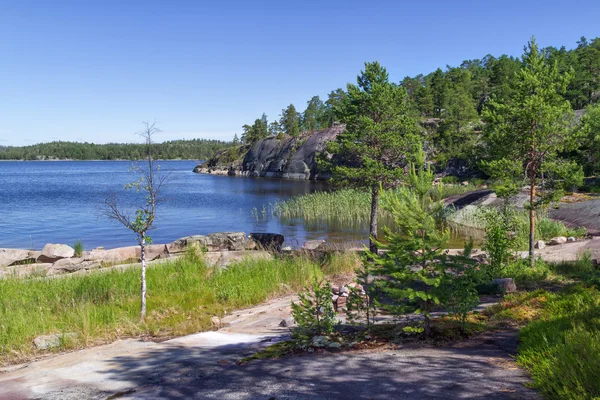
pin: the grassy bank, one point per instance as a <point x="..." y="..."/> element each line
<point x="182" y="297"/>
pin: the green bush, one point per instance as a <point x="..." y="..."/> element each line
<point x="499" y="242"/>
<point x="314" y="311"/>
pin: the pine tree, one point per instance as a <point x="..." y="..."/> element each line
<point x="415" y="257"/>
<point x="525" y="135"/>
<point x="290" y="121"/>
<point x="380" y="137"/>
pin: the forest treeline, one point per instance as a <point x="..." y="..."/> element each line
<point x="195" y="149"/>
<point x="450" y="102"/>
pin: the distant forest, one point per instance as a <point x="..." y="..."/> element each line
<point x="195" y="149"/>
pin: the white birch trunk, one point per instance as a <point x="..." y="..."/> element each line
<point x="143" y="258"/>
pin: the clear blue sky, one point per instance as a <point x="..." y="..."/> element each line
<point x="94" y="70"/>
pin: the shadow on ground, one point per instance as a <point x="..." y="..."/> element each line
<point x="479" y="370"/>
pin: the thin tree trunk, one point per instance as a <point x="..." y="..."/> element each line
<point x="427" y="325"/>
<point x="532" y="223"/>
<point x="373" y="227"/>
<point x="143" y="258"/>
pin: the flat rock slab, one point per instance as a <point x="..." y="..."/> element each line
<point x="204" y="366"/>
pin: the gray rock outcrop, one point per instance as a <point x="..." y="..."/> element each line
<point x="288" y="158"/>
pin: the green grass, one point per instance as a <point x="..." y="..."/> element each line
<point x="103" y="306"/>
<point x="560" y="329"/>
<point x="561" y="347"/>
<point x="347" y="207"/>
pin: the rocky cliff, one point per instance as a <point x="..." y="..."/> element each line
<point x="288" y="158"/>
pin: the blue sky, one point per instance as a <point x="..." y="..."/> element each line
<point x="94" y="70"/>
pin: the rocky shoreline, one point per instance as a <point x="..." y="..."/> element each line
<point x="219" y="249"/>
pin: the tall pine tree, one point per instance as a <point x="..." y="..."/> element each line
<point x="379" y="139"/>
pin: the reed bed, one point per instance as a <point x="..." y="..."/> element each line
<point x="345" y="207"/>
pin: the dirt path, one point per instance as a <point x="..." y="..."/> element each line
<point x="202" y="366"/>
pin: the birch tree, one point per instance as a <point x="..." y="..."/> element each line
<point x="148" y="185"/>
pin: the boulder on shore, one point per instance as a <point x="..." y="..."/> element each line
<point x="540" y="244"/>
<point x="233" y="241"/>
<point x="114" y="255"/>
<point x="69" y="265"/>
<point x="557" y="240"/>
<point x="506" y="285"/>
<point x="312" y="244"/>
<point x="268" y="241"/>
<point x="54" y="252"/>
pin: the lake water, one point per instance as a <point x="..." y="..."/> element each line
<point x="61" y="202"/>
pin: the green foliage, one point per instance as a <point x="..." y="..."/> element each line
<point x="525" y="274"/>
<point x="500" y="227"/>
<point x="415" y="257"/>
<point x="380" y="137"/>
<point x="314" y="311"/>
<point x="380" y="133"/>
<point x="361" y="306"/>
<point x="561" y="349"/>
<point x="464" y="296"/>
<point x="255" y="132"/>
<point x="545" y="227"/>
<point x="78" y="247"/>
<point x="314" y="117"/>
<point x="589" y="153"/>
<point x="290" y="121"/>
<point x="104" y="305"/>
<point x="526" y="135"/>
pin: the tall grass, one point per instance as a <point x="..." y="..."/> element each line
<point x="182" y="297"/>
<point x="348" y="207"/>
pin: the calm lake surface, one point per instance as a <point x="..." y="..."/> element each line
<point x="62" y="201"/>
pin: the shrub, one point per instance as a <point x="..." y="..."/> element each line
<point x="361" y="306"/>
<point x="499" y="240"/>
<point x="314" y="311"/>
